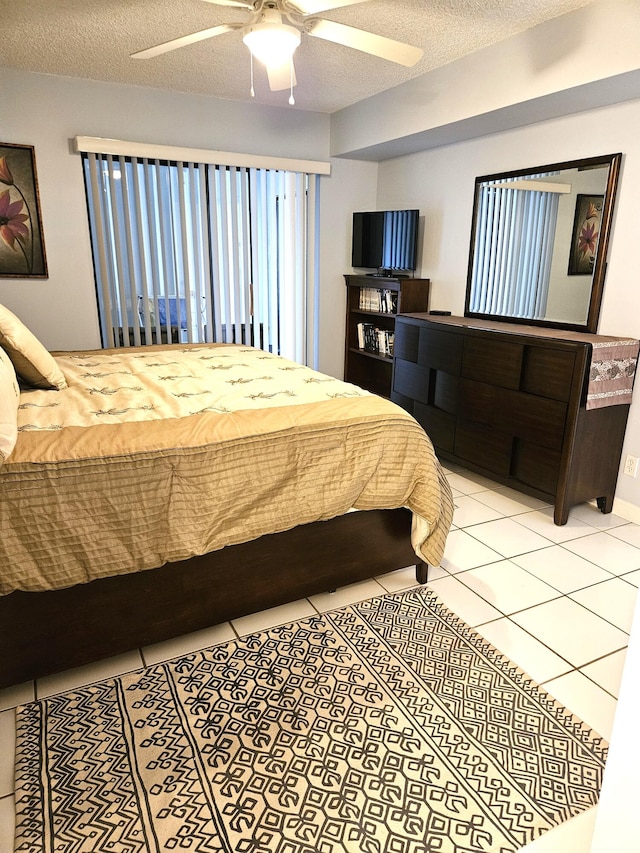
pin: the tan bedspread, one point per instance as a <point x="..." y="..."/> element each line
<point x="154" y="455"/>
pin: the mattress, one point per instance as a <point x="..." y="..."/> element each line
<point x="153" y="455"/>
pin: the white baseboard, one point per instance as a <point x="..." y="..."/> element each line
<point x="629" y="511"/>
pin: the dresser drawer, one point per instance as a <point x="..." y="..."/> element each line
<point x="440" y="350"/>
<point x="494" y="361"/>
<point x="484" y="446"/>
<point x="410" y="380"/>
<point x="536" y="467"/>
<point x="405" y="344"/>
<point x="548" y="372"/>
<point x="440" y="426"/>
<point x="534" y="419"/>
<point x="474" y="401"/>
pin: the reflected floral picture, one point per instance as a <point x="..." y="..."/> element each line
<point x="586" y="231"/>
<point x="22" y="253"/>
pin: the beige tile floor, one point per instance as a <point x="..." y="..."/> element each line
<point x="557" y="600"/>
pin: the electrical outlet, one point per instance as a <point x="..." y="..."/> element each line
<point x="631" y="465"/>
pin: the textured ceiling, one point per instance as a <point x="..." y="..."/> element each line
<point x="94" y="39"/>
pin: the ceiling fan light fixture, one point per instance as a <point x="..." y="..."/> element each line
<point x="272" y="43"/>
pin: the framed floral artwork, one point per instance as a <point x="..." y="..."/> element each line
<point x="22" y="253"/>
<point x="585" y="234"/>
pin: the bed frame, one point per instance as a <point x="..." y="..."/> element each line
<point x="46" y="632"/>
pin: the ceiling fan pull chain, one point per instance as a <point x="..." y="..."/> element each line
<point x="252" y="91"/>
<point x="292" y="100"/>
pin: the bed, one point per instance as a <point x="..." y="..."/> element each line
<point x="154" y="491"/>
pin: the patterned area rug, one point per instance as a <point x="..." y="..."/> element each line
<point x="385" y="727"/>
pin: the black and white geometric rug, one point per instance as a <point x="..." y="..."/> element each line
<point x="385" y="727"/>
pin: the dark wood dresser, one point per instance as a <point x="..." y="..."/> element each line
<point x="540" y="410"/>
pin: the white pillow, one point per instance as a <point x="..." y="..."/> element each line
<point x="9" y="399"/>
<point x="33" y="363"/>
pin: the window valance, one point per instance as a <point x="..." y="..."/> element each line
<point x="171" y="153"/>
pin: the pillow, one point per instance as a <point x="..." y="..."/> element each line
<point x="33" y="363"/>
<point x="9" y="398"/>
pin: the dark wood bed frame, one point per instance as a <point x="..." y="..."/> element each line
<point x="47" y="632"/>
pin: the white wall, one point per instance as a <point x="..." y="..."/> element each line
<point x="441" y="183"/>
<point x="47" y="112"/>
<point x="353" y="187"/>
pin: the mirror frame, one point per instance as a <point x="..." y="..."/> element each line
<point x="600" y="267"/>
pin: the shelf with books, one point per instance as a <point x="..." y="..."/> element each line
<point x="375" y="340"/>
<point x="372" y="307"/>
<point x="378" y="300"/>
<point x="382" y="357"/>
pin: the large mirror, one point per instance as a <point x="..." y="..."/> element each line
<point x="539" y="239"/>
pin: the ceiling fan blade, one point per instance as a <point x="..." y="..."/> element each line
<point x="313" y="7"/>
<point x="239" y="4"/>
<point x="385" y="48"/>
<point x="183" y="41"/>
<point x="281" y="76"/>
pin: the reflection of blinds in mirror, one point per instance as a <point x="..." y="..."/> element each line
<point x="513" y="251"/>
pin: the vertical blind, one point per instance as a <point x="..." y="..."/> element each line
<point x="199" y="252"/>
<point x="512" y="273"/>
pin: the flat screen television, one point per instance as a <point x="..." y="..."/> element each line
<point x="385" y="240"/>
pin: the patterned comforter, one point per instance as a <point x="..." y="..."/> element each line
<point x="156" y="454"/>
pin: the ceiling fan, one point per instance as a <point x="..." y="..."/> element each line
<point x="274" y="29"/>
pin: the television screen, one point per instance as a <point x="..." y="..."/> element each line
<point x="385" y="239"/>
